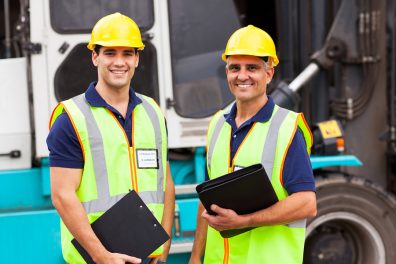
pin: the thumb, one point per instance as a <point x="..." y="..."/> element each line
<point x="217" y="209"/>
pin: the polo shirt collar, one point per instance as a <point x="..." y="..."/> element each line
<point x="94" y="98"/>
<point x="263" y="115"/>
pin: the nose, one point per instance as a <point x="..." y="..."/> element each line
<point x="243" y="74"/>
<point x="119" y="60"/>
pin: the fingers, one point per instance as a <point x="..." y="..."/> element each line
<point x="220" y="211"/>
<point x="131" y="259"/>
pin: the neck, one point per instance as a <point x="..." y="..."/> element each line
<point x="117" y="98"/>
<point x="247" y="109"/>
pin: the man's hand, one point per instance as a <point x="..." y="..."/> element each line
<point x="116" y="258"/>
<point x="157" y="261"/>
<point x="225" y="219"/>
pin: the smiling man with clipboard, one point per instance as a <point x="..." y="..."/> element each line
<point x="257" y="131"/>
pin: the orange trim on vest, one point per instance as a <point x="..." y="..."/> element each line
<point x="285" y="154"/>
<point x="75" y="130"/>
<point x="229" y="161"/>
<point x="134" y="152"/>
<point x="131" y="165"/>
<point x="154" y="256"/>
<point x="243" y="141"/>
<point x="309" y="130"/>
<point x="52" y="116"/>
<point x="226" y="251"/>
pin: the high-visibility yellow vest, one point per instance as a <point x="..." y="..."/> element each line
<point x="111" y="166"/>
<point x="266" y="143"/>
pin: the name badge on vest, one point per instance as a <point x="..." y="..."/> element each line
<point x="236" y="167"/>
<point x="147" y="158"/>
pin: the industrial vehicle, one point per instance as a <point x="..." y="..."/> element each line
<point x="337" y="66"/>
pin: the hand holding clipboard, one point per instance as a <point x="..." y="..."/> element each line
<point x="245" y="191"/>
<point x="128" y="227"/>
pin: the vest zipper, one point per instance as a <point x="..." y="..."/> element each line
<point x="134" y="173"/>
<point x="231" y="169"/>
<point x="131" y="151"/>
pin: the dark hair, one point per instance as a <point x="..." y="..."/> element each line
<point x="265" y="58"/>
<point x="97" y="49"/>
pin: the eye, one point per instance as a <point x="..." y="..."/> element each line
<point x="109" y="52"/>
<point x="233" y="68"/>
<point x="252" y="67"/>
<point x="129" y="53"/>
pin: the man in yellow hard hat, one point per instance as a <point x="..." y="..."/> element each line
<point x="256" y="130"/>
<point x="106" y="142"/>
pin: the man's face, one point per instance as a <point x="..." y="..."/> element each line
<point x="247" y="77"/>
<point x="116" y="66"/>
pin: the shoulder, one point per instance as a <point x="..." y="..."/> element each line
<point x="62" y="122"/>
<point x="148" y="100"/>
<point x="215" y="119"/>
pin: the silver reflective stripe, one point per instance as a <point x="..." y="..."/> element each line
<point x="158" y="139"/>
<point x="101" y="204"/>
<point x="213" y="139"/>
<point x="298" y="224"/>
<point x="269" y="150"/>
<point x="104" y="201"/>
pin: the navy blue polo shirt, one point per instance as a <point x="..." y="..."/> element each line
<point x="62" y="141"/>
<point x="297" y="170"/>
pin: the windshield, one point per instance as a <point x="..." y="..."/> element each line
<point x="79" y="16"/>
<point x="199" y="33"/>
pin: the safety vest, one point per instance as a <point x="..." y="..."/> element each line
<point x="111" y="166"/>
<point x="266" y="143"/>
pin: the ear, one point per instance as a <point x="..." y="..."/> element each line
<point x="137" y="60"/>
<point x="270" y="74"/>
<point x="94" y="59"/>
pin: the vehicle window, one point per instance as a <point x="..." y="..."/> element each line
<point x="199" y="33"/>
<point x="79" y="16"/>
<point x="76" y="72"/>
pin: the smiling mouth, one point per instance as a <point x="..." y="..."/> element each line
<point x="118" y="71"/>
<point x="244" y="85"/>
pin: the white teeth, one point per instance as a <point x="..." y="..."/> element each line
<point x="118" y="72"/>
<point x="244" y="85"/>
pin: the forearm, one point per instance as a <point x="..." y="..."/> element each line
<point x="295" y="207"/>
<point x="200" y="237"/>
<point x="169" y="210"/>
<point x="74" y="217"/>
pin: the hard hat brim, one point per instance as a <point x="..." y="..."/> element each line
<point x="117" y="43"/>
<point x="249" y="53"/>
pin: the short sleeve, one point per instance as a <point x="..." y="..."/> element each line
<point x="63" y="145"/>
<point x="297" y="170"/>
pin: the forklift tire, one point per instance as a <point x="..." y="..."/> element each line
<point x="355" y="223"/>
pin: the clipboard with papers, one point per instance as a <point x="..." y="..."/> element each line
<point x="245" y="191"/>
<point x="128" y="227"/>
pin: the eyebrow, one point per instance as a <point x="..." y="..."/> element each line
<point x="247" y="65"/>
<point x="126" y="50"/>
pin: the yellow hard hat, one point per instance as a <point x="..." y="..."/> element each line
<point x="252" y="41"/>
<point x="116" y="30"/>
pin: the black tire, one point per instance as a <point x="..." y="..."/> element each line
<point x="355" y="224"/>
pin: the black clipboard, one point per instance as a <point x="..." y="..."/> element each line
<point x="128" y="227"/>
<point x="245" y="191"/>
